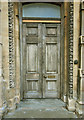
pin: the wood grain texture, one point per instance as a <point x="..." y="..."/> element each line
<point x="41" y="60"/>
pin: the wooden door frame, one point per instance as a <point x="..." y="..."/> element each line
<point x="41" y="21"/>
<point x="21" y="48"/>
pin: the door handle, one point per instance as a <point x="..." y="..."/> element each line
<point x="44" y="76"/>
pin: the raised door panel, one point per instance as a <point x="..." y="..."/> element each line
<point x="51" y="58"/>
<point x="32" y="57"/>
<point x="51" y="51"/>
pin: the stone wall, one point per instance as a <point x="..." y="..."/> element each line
<point x="4" y="56"/>
<point x="14" y="55"/>
<point x="9" y="56"/>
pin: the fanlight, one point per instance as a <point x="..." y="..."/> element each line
<point x="41" y="10"/>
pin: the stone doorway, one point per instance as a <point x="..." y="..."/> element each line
<point x="40" y="51"/>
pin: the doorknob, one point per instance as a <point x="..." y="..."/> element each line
<point x="44" y="76"/>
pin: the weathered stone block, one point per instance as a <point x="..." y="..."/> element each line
<point x="71" y="104"/>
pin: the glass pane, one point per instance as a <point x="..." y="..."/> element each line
<point x="42" y="10"/>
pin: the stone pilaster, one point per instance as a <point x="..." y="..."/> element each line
<point x="17" y="52"/>
<point x="11" y="45"/>
<point x="3" y="102"/>
<point x="71" y="52"/>
<point x="80" y="101"/>
<point x="76" y="35"/>
<point x="71" y="102"/>
<point x="76" y="31"/>
<point x="12" y="85"/>
<point x="66" y="17"/>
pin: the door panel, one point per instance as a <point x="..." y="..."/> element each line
<point x="32" y="57"/>
<point x="51" y="50"/>
<point x="32" y="87"/>
<point x="41" y="59"/>
<point x="51" y="64"/>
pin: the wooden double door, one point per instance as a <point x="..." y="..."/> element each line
<point x="41" y="60"/>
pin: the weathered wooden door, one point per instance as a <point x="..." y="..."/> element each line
<point x="41" y="59"/>
<point x="51" y="61"/>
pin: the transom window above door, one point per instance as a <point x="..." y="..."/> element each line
<point x="41" y="10"/>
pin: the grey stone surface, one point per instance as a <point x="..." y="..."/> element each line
<point x="41" y="108"/>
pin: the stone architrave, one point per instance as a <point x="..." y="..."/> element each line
<point x="71" y="51"/>
<point x="71" y="101"/>
<point x="11" y="45"/>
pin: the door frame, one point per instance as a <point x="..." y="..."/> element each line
<point x="21" y="20"/>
